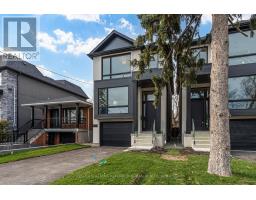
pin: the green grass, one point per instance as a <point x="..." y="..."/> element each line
<point x="150" y="168"/>
<point x="24" y="154"/>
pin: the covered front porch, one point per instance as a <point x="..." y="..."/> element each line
<point x="67" y="119"/>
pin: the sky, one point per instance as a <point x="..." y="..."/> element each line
<point x="65" y="41"/>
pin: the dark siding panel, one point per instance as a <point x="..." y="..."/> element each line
<point x="243" y="134"/>
<point x="116" y="134"/>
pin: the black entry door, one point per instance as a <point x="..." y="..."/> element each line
<point x="150" y="114"/>
<point x="200" y="108"/>
<point x="54" y="115"/>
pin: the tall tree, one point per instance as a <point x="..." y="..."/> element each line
<point x="219" y="160"/>
<point x="171" y="38"/>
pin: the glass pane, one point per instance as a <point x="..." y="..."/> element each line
<point x="73" y="115"/>
<point x="242" y="60"/>
<point x="150" y="97"/>
<point x="105" y="77"/>
<point x="197" y="94"/>
<point x="118" y="96"/>
<point x="103" y="101"/>
<point x="121" y="75"/>
<point x="118" y="110"/>
<point x="201" y="53"/>
<point x="242" y="105"/>
<point x="242" y="87"/>
<point x="240" y="45"/>
<point x="154" y="62"/>
<point x="106" y="66"/>
<point x="120" y="64"/>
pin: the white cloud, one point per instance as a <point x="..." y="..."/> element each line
<point x="246" y="16"/>
<point x="79" y="46"/>
<point x="85" y="18"/>
<point x="67" y="41"/>
<point x="47" y="41"/>
<point x="63" y="37"/>
<point x="125" y="24"/>
<point x="206" y="19"/>
<point x="45" y="71"/>
<point x="108" y="30"/>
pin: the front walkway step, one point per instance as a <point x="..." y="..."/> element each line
<point x="147" y="148"/>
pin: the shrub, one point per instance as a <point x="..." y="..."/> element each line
<point x="4" y="129"/>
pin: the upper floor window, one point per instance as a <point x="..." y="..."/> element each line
<point x="113" y="100"/>
<point x="242" y="92"/>
<point x="242" y="49"/>
<point x="154" y="63"/>
<point x="201" y="53"/>
<point x="116" y="67"/>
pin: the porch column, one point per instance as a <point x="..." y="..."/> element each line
<point x="46" y="116"/>
<point x="88" y="123"/>
<point x="77" y="115"/>
<point x="32" y="116"/>
<point x="60" y="115"/>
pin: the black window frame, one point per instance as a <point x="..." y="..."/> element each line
<point x="241" y="100"/>
<point x="207" y="54"/>
<point x="107" y="106"/>
<point x="111" y="74"/>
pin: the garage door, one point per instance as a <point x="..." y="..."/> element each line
<point x="243" y="134"/>
<point x="116" y="134"/>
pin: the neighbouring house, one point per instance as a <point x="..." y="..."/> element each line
<point x="124" y="114"/>
<point x="242" y="95"/>
<point x="41" y="110"/>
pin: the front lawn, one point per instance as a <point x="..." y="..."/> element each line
<point x="31" y="153"/>
<point x="151" y="168"/>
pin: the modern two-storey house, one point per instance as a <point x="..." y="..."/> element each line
<point x="41" y="110"/>
<point x="124" y="114"/>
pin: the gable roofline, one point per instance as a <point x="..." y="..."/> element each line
<point x="109" y="38"/>
<point x="37" y="75"/>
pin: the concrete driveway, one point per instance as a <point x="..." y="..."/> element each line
<point x="245" y="155"/>
<point x="45" y="169"/>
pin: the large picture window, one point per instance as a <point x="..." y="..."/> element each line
<point x="116" y="67"/>
<point x="242" y="49"/>
<point x="242" y="92"/>
<point x="113" y="100"/>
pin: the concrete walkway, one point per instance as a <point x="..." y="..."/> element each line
<point x="45" y="169"/>
<point x="245" y="155"/>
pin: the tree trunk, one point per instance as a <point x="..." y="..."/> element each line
<point x="219" y="161"/>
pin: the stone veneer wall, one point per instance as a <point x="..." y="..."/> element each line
<point x="8" y="101"/>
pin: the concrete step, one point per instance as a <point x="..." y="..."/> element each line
<point x="201" y="146"/>
<point x="143" y="143"/>
<point x="203" y="142"/>
<point x="140" y="148"/>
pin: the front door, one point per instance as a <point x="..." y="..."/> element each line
<point x="200" y="108"/>
<point x="150" y="114"/>
<point x="54" y="118"/>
